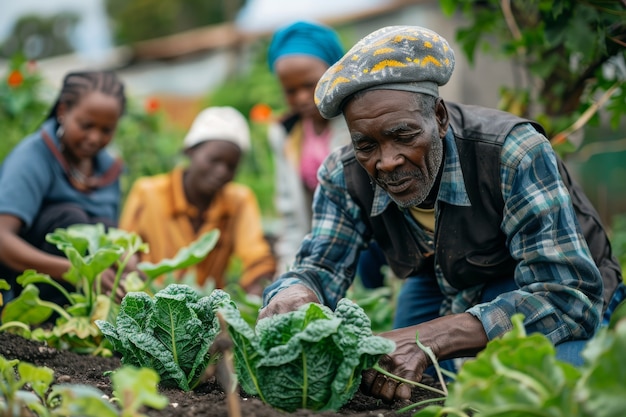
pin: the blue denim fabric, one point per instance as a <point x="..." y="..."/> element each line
<point x="371" y="260"/>
<point x="420" y="298"/>
<point x="618" y="296"/>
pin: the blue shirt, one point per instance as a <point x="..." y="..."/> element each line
<point x="31" y="178"/>
<point x="560" y="288"/>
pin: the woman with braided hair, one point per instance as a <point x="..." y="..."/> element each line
<point x="61" y="175"/>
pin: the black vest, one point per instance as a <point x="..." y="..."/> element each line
<point x="470" y="247"/>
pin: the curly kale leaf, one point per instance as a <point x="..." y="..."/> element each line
<point x="170" y="333"/>
<point x="310" y="358"/>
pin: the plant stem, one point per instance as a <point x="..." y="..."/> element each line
<point x="419" y="404"/>
<point x="118" y="275"/>
<point x="62" y="290"/>
<point x="15" y="323"/>
<point x="434" y="361"/>
<point x="56" y="308"/>
<point x="407" y="381"/>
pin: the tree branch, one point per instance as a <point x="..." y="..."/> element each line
<point x="584" y="118"/>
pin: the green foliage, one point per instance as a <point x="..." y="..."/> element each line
<point x="24" y="385"/>
<point x="147" y="144"/>
<point x="170" y="333"/>
<point x="519" y="375"/>
<point x="185" y="257"/>
<point x="571" y="49"/>
<point x="15" y="378"/>
<point x="4" y="285"/>
<point x="22" y="106"/>
<point x="91" y="251"/>
<point x="311" y="358"/>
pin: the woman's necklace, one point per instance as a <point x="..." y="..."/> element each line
<point x="78" y="175"/>
<point x="81" y="179"/>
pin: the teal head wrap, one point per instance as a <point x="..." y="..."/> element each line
<point x="305" y="38"/>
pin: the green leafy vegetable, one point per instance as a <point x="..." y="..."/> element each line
<point x="91" y="249"/>
<point x="310" y="358"/>
<point x="601" y="389"/>
<point x="26" y="386"/>
<point x="170" y="333"/>
<point x="133" y="389"/>
<point x="519" y="375"/>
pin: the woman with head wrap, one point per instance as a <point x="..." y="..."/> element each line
<point x="170" y="211"/>
<point x="298" y="55"/>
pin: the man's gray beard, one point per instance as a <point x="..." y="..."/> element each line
<point x="434" y="162"/>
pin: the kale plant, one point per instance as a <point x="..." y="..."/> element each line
<point x="170" y="333"/>
<point x="310" y="358"/>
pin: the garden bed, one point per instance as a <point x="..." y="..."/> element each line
<point x="208" y="400"/>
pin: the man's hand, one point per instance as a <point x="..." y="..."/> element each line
<point x="408" y="361"/>
<point x="288" y="300"/>
<point x="448" y="337"/>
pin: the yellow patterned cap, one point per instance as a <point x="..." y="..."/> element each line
<point x="407" y="58"/>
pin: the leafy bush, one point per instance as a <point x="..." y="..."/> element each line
<point x="519" y="375"/>
<point x="309" y="358"/>
<point x="170" y="333"/>
<point x="22" y="103"/>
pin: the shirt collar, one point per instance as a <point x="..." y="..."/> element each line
<point x="181" y="205"/>
<point x="179" y="200"/>
<point x="452" y="189"/>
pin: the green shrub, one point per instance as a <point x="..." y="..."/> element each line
<point x="22" y="103"/>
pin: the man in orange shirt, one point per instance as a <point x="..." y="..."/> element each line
<point x="172" y="210"/>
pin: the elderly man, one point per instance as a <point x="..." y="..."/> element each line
<point x="466" y="202"/>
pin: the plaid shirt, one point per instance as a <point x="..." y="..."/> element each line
<point x="560" y="288"/>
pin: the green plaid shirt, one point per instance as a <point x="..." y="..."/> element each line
<point x="560" y="288"/>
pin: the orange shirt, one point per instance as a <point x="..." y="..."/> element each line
<point x="158" y="211"/>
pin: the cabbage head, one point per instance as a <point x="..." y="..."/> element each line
<point x="170" y="333"/>
<point x="311" y="358"/>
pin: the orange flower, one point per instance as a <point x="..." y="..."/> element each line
<point x="152" y="105"/>
<point x="15" y="79"/>
<point x="260" y="113"/>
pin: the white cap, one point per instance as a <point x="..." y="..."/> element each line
<point x="219" y="123"/>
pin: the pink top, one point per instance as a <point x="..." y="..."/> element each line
<point x="315" y="148"/>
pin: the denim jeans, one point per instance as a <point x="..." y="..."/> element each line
<point x="420" y="298"/>
<point x="369" y="267"/>
<point x="618" y="296"/>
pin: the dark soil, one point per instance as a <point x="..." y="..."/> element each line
<point x="208" y="400"/>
